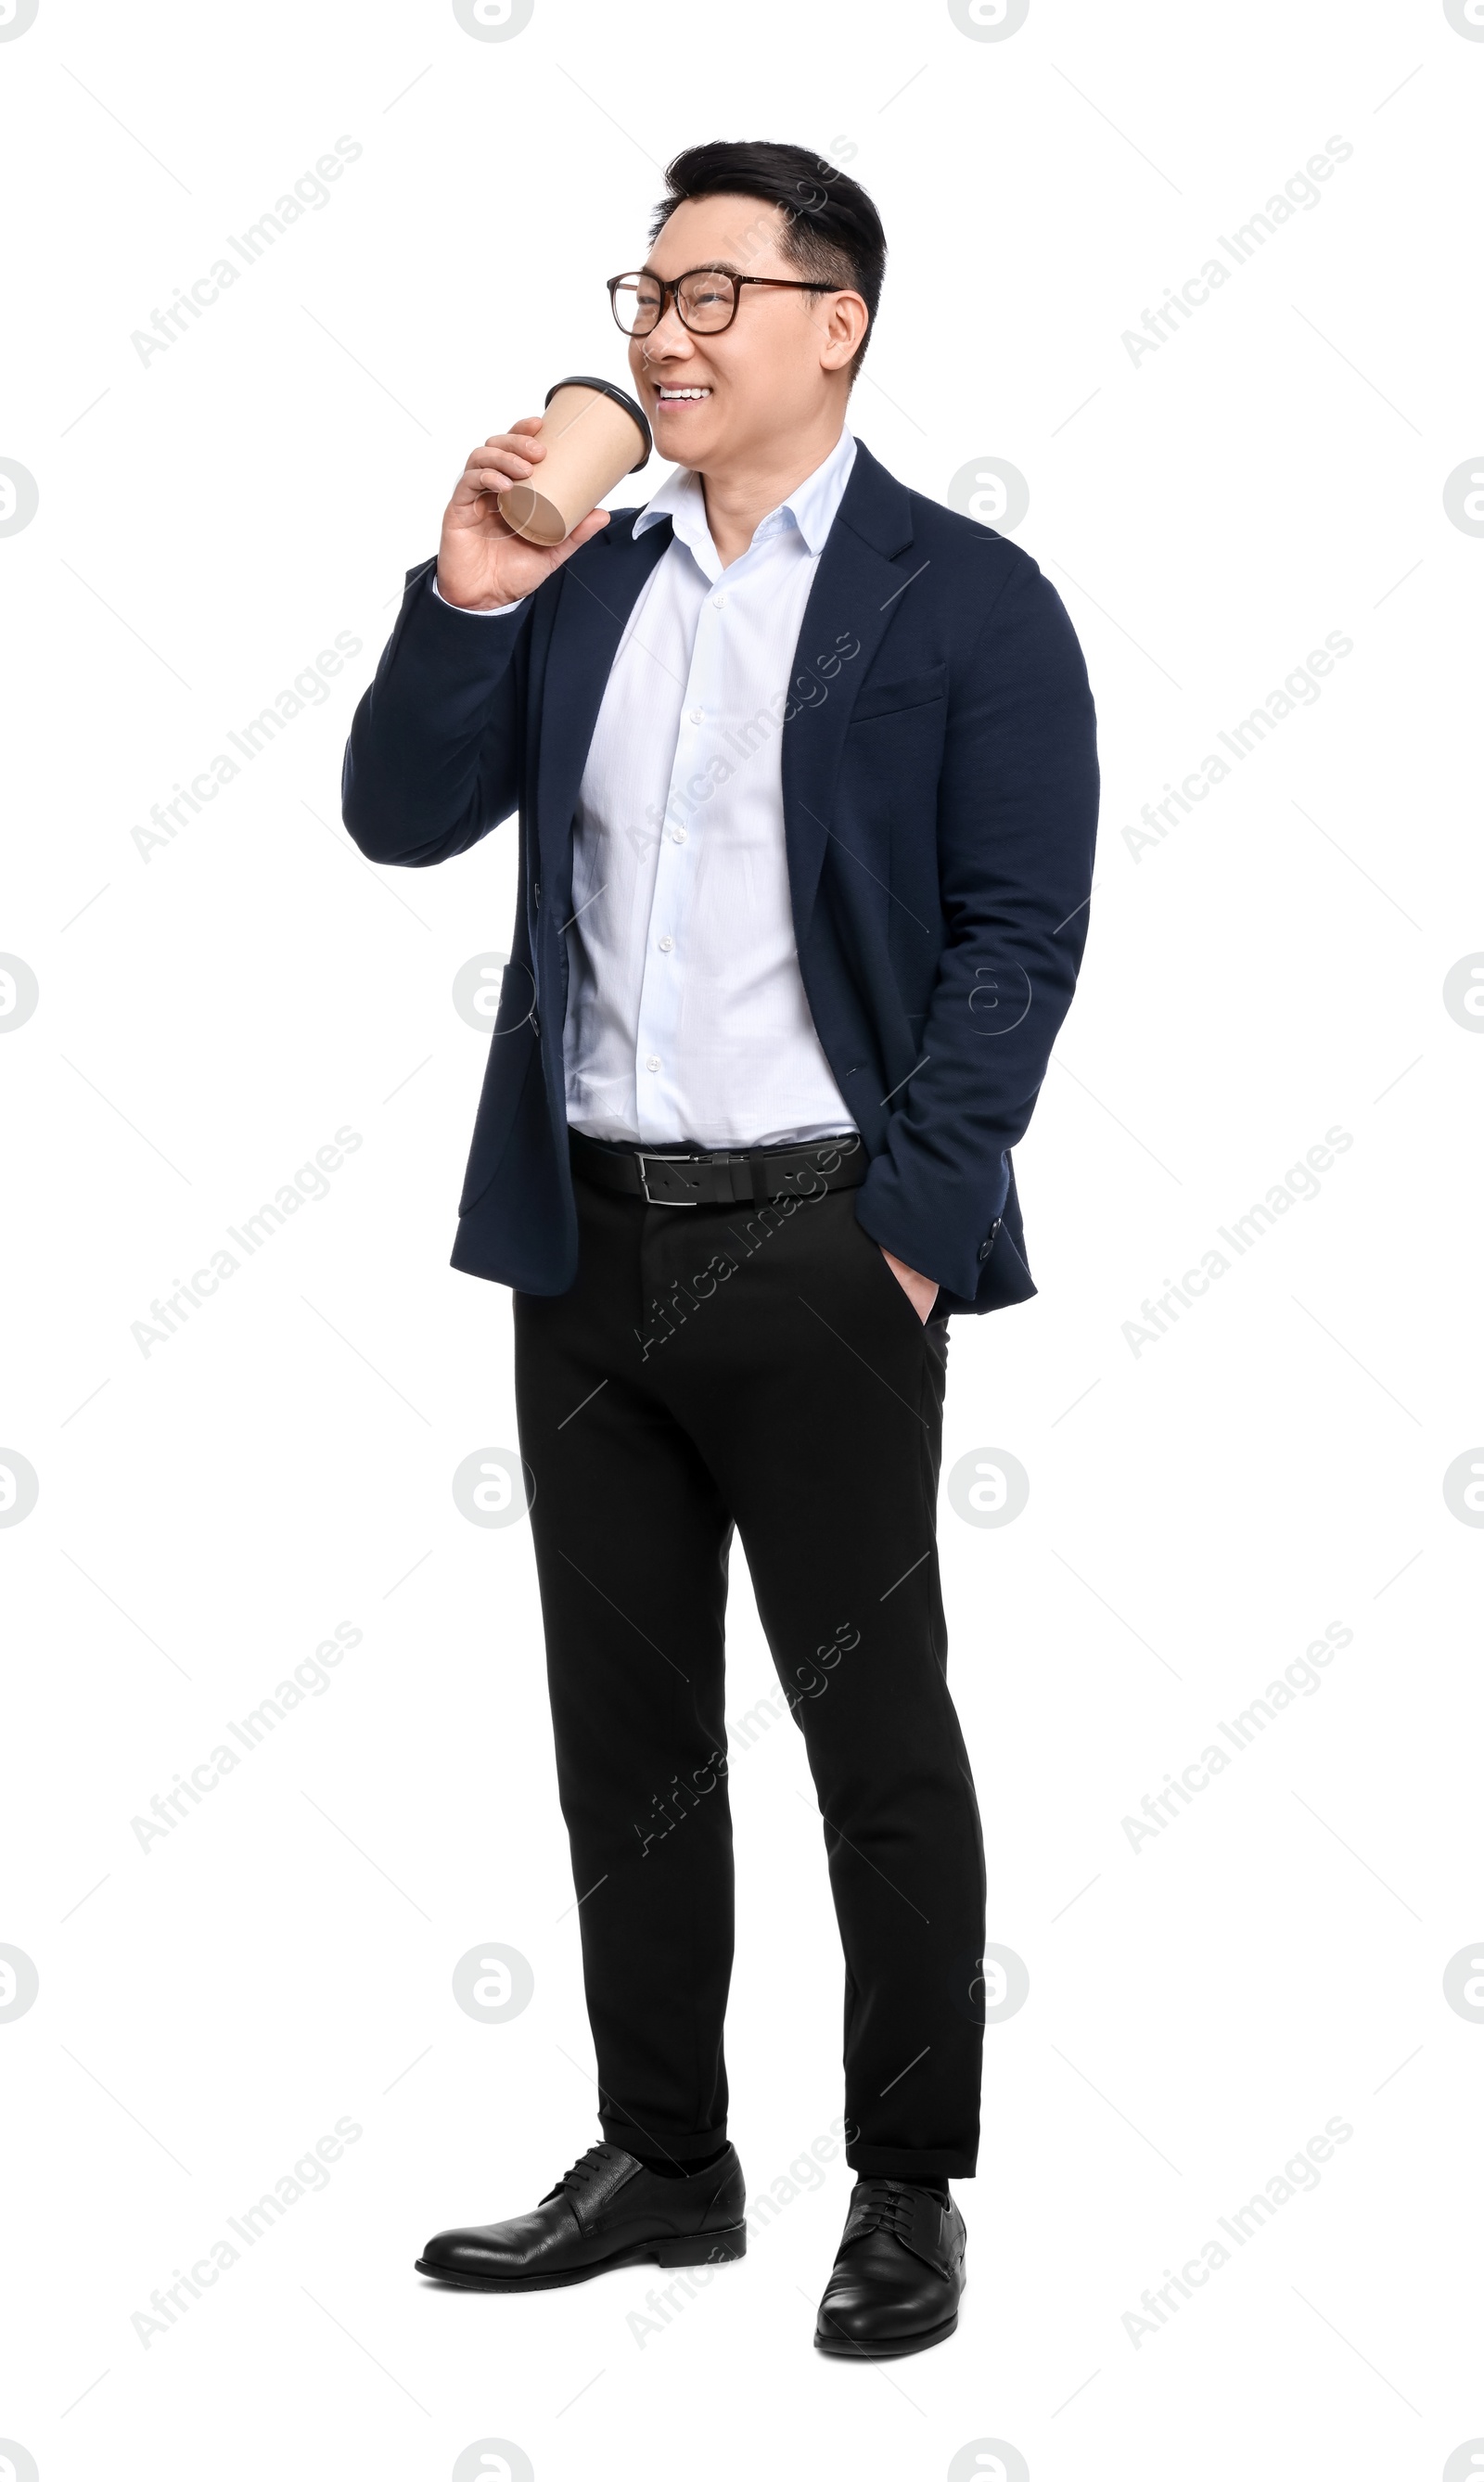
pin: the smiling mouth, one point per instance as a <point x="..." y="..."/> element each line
<point x="668" y="396"/>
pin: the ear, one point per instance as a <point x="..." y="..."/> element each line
<point x="844" y="319"/>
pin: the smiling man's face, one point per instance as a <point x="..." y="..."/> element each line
<point x="775" y="373"/>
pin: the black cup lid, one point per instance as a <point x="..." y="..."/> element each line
<point x="605" y="387"/>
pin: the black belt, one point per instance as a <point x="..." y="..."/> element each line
<point x="722" y="1178"/>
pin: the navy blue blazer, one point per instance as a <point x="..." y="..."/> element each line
<point x="940" y="781"/>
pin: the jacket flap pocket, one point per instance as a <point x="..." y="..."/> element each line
<point x="888" y="698"/>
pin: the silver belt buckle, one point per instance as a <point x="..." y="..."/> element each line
<point x="643" y="1179"/>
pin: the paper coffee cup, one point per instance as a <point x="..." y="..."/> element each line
<point x="590" y="431"/>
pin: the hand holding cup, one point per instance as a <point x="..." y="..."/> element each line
<point x="526" y="500"/>
<point x="483" y="563"/>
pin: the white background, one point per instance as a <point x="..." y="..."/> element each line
<point x="1199" y="1510"/>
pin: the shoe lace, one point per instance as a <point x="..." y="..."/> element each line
<point x="586" y="2168"/>
<point x="884" y="2206"/>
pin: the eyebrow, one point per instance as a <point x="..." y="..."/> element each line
<point x="708" y="267"/>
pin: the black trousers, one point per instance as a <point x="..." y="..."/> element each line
<point x="757" y="1367"/>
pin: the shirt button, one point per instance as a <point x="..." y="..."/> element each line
<point x="698" y="714"/>
<point x="653" y="1063"/>
<point x="677" y="835"/>
<point x="667" y="943"/>
<point x="717" y="600"/>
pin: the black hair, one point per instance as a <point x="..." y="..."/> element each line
<point x="830" y="231"/>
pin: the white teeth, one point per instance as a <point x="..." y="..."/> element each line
<point x="666" y="392"/>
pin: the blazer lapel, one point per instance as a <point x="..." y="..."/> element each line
<point x="856" y="593"/>
<point x="598" y="596"/>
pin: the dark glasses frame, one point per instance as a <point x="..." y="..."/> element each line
<point x="670" y="291"/>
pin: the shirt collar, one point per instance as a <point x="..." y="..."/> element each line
<point x="810" y="507"/>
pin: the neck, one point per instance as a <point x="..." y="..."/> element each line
<point x="739" y="496"/>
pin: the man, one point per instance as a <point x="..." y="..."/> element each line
<point x="805" y="768"/>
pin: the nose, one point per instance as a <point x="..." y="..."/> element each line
<point x="668" y="337"/>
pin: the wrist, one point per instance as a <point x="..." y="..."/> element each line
<point x="459" y="604"/>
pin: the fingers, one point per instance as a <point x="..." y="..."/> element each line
<point x="487" y="473"/>
<point x="513" y="458"/>
<point x="506" y="457"/>
<point x="520" y="436"/>
<point x="591" y="524"/>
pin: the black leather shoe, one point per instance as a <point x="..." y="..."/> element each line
<point x="898" y="2276"/>
<point x="606" y="2212"/>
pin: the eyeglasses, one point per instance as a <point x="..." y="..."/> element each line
<point x="706" y="298"/>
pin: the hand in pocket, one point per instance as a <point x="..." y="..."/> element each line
<point x="920" y="1290"/>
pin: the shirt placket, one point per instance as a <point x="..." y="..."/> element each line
<point x="660" y="1101"/>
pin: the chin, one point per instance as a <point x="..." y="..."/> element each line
<point x="684" y="443"/>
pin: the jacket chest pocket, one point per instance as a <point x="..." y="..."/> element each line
<point x="880" y="699"/>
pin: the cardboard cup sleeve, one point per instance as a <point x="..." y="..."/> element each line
<point x="593" y="434"/>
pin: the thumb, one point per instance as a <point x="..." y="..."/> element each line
<point x="591" y="524"/>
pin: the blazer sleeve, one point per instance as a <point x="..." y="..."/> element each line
<point x="435" y="754"/>
<point x="1017" y="824"/>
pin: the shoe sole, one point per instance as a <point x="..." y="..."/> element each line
<point x="699" y="2249"/>
<point x="891" y="2348"/>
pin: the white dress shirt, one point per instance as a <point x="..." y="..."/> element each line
<point x="686" y="1015"/>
